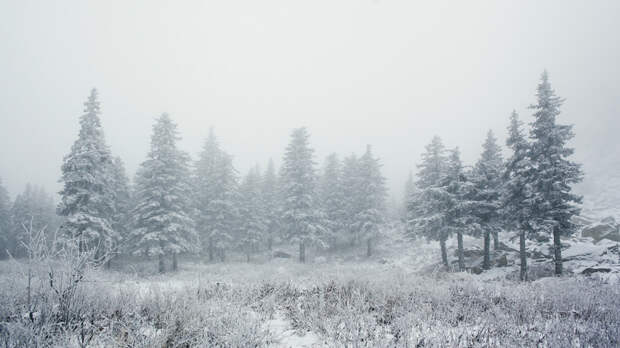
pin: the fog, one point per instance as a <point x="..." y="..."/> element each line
<point x="387" y="73"/>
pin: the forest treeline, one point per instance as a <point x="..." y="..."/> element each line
<point x="176" y="205"/>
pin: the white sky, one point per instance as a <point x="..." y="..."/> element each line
<point x="389" y="73"/>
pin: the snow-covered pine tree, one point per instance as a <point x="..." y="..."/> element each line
<point x="222" y="211"/>
<point x="121" y="220"/>
<point x="516" y="191"/>
<point x="34" y="206"/>
<point x="252" y="213"/>
<point x="272" y="205"/>
<point x="554" y="203"/>
<point x="457" y="206"/>
<point x="302" y="217"/>
<point x="350" y="183"/>
<point x="487" y="190"/>
<point x="5" y="223"/>
<point x="408" y="196"/>
<point x="427" y="211"/>
<point x="372" y="199"/>
<point x="205" y="184"/>
<point x="331" y="199"/>
<point x="87" y="197"/>
<point x="162" y="222"/>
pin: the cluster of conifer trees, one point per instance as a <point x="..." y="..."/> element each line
<point x="530" y="192"/>
<point x="177" y="205"/>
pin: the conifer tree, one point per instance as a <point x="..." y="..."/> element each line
<point x="206" y="189"/>
<point x="121" y="220"/>
<point x="303" y="219"/>
<point x="252" y="213"/>
<point x="332" y="200"/>
<point x="350" y="188"/>
<point x="428" y="213"/>
<point x="517" y="191"/>
<point x="32" y="206"/>
<point x="554" y="203"/>
<point x="372" y="194"/>
<point x="162" y="222"/>
<point x="487" y="191"/>
<point x="455" y="192"/>
<point x="272" y="204"/>
<point x="87" y="197"/>
<point x="408" y="196"/>
<point x="222" y="210"/>
<point x="5" y="223"/>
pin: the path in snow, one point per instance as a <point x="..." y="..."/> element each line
<point x="285" y="336"/>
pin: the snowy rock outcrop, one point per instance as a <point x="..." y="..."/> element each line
<point x="607" y="228"/>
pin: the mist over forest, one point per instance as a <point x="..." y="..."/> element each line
<point x="323" y="174"/>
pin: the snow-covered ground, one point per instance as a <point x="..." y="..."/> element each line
<point x="401" y="296"/>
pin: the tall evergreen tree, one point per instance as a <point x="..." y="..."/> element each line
<point x="517" y="191"/>
<point x="121" y="220"/>
<point x="272" y="204"/>
<point x="350" y="188"/>
<point x="222" y="210"/>
<point x="554" y="203"/>
<point x="456" y="192"/>
<point x="32" y="206"/>
<point x="427" y="211"/>
<point x="332" y="200"/>
<point x="206" y="190"/>
<point x="487" y="190"/>
<point x="408" y="196"/>
<point x="5" y="222"/>
<point x="372" y="199"/>
<point x="304" y="222"/>
<point x="87" y="197"/>
<point x="162" y="221"/>
<point x="252" y="213"/>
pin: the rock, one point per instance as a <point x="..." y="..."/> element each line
<point x="502" y="261"/>
<point x="281" y="254"/>
<point x="590" y="270"/>
<point x="383" y="261"/>
<point x="581" y="220"/>
<point x="476" y="270"/>
<point x="600" y="231"/>
<point x="470" y="253"/>
<point x="609" y="220"/>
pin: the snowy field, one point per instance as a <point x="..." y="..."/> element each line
<point x="398" y="298"/>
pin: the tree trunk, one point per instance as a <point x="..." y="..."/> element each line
<point x="522" y="255"/>
<point x="557" y="250"/>
<point x="486" y="264"/>
<point x="444" y="252"/>
<point x="369" y="247"/>
<point x="302" y="252"/>
<point x="270" y="243"/>
<point x="495" y="240"/>
<point x="162" y="267"/>
<point x="459" y="238"/>
<point x="108" y="263"/>
<point x="211" y="251"/>
<point x="247" y="255"/>
<point x="222" y="254"/>
<point x="175" y="262"/>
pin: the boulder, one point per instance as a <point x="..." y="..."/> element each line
<point x="281" y="254"/>
<point x="609" y="220"/>
<point x="601" y="230"/>
<point x="590" y="270"/>
<point x="476" y="270"/>
<point x="502" y="261"/>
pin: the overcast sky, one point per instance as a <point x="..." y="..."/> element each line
<point x="355" y="72"/>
